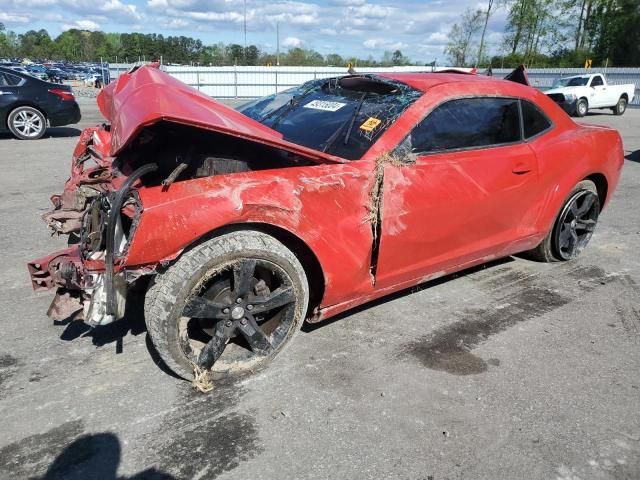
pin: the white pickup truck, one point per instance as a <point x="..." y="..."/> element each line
<point x="578" y="94"/>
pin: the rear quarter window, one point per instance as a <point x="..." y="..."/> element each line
<point x="534" y="121"/>
<point x="10" y="80"/>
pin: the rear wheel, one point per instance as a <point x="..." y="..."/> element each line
<point x="582" y="107"/>
<point x="620" y="107"/>
<point x="27" y="123"/>
<point x="229" y="305"/>
<point x="573" y="227"/>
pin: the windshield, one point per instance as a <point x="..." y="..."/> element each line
<point x="570" y="82"/>
<point x="341" y="116"/>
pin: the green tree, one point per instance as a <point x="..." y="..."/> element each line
<point x="461" y="37"/>
<point x="251" y="55"/>
<point x="235" y="54"/>
<point x="333" y="59"/>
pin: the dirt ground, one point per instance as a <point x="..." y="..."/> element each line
<point x="512" y="370"/>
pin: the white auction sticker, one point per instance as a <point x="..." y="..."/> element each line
<point x="324" y="105"/>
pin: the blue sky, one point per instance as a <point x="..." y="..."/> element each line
<point x="348" y="27"/>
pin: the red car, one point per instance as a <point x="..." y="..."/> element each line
<point x="304" y="204"/>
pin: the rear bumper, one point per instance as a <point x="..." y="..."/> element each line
<point x="67" y="113"/>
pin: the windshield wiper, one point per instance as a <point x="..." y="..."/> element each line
<point x="287" y="107"/>
<point x="351" y="120"/>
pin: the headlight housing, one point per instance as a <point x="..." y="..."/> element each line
<point x="569" y="97"/>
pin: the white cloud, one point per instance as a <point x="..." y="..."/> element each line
<point x="82" y="25"/>
<point x="4" y="17"/>
<point x="378" y="44"/>
<point x="292" y="42"/>
<point x="438" y="38"/>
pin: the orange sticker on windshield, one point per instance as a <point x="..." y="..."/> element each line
<point x="370" y="124"/>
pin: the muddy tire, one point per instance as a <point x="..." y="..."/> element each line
<point x="573" y="226"/>
<point x="26" y="123"/>
<point x="582" y="107"/>
<point x="620" y="107"/>
<point x="213" y="274"/>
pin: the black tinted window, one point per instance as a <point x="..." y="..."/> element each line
<point x="8" y="80"/>
<point x="466" y="123"/>
<point x="597" y="81"/>
<point x="534" y="120"/>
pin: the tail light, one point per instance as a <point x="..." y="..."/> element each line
<point x="63" y="94"/>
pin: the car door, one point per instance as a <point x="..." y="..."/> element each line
<point x="600" y="96"/>
<point x="8" y="95"/>
<point x="468" y="195"/>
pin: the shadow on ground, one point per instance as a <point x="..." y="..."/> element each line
<point x="52" y="132"/>
<point x="633" y="156"/>
<point x="95" y="456"/>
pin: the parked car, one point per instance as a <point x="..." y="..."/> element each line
<point x="241" y="225"/>
<point x="91" y="79"/>
<point x="580" y="93"/>
<point x="28" y="105"/>
<point x="38" y="71"/>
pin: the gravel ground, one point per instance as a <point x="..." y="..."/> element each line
<point x="537" y="374"/>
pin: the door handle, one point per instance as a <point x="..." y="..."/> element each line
<point x="521" y="169"/>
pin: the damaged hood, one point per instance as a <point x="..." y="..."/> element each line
<point x="148" y="95"/>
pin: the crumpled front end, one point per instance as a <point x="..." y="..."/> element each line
<point x="91" y="176"/>
<point x="161" y="132"/>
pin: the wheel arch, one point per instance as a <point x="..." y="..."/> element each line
<point x="303" y="252"/>
<point x="625" y="96"/>
<point x="602" y="186"/>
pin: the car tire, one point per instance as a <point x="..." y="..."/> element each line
<point x="208" y="271"/>
<point x="582" y="107"/>
<point x="551" y="249"/>
<point x="620" y="107"/>
<point x="27" y="123"/>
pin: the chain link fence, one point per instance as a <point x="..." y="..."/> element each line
<point x="252" y="82"/>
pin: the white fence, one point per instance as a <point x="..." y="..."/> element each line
<point x="252" y="82"/>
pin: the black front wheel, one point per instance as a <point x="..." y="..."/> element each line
<point x="573" y="227"/>
<point x="227" y="306"/>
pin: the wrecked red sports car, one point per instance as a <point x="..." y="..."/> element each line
<point x="306" y="203"/>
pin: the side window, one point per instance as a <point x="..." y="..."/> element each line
<point x="468" y="123"/>
<point x="596" y="81"/>
<point x="533" y="119"/>
<point x="9" y="80"/>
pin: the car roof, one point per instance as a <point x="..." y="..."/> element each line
<point x="423" y="81"/>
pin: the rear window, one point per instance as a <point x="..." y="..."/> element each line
<point x="341" y="116"/>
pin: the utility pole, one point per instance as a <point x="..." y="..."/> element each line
<point x="245" y="32"/>
<point x="277" y="44"/>
<point x="484" y="30"/>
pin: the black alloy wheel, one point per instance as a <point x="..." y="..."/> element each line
<point x="576" y="223"/>
<point x="249" y="305"/>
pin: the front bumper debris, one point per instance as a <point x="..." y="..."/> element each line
<point x="80" y="295"/>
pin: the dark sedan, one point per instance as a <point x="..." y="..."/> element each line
<point x="28" y="105"/>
